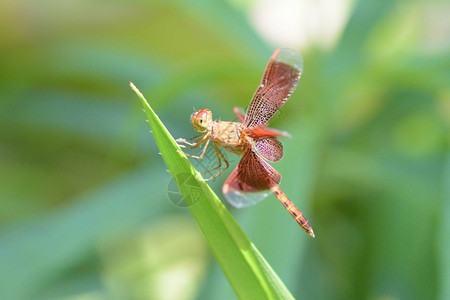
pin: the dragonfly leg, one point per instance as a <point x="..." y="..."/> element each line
<point x="203" y="151"/>
<point x="195" y="137"/>
<point x="239" y="114"/>
<point x="183" y="143"/>
<point x="220" y="157"/>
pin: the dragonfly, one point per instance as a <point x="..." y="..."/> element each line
<point x="254" y="178"/>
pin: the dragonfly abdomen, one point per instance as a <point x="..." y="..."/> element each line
<point x="294" y="211"/>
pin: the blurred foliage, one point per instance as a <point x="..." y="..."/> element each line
<point x="368" y="163"/>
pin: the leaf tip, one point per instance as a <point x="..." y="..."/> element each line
<point x="135" y="89"/>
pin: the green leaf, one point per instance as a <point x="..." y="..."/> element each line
<point x="246" y="269"/>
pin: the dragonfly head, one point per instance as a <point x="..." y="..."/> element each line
<point x="201" y="119"/>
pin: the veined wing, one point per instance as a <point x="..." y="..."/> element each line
<point x="250" y="182"/>
<point x="270" y="149"/>
<point x="279" y="80"/>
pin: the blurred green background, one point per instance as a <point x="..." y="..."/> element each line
<point x="85" y="212"/>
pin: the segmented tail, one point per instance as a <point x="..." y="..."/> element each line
<point x="295" y="213"/>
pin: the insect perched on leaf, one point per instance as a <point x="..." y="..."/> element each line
<point x="253" y="178"/>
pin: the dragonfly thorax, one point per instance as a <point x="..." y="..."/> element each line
<point x="201" y="120"/>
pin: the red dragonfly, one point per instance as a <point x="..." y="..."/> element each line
<point x="253" y="178"/>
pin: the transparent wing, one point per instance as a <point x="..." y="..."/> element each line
<point x="240" y="199"/>
<point x="249" y="183"/>
<point x="279" y="80"/>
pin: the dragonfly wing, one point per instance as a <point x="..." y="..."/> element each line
<point x="241" y="196"/>
<point x="240" y="200"/>
<point x="270" y="149"/>
<point x="249" y="183"/>
<point x="279" y="80"/>
<point x="240" y="113"/>
<point x="262" y="131"/>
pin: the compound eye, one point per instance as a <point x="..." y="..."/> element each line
<point x="203" y="114"/>
<point x="200" y="119"/>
